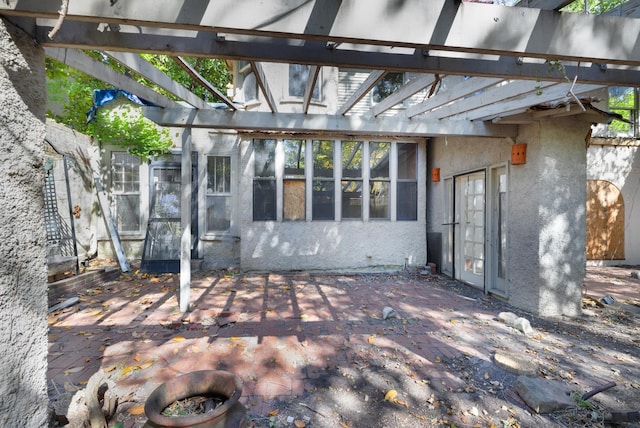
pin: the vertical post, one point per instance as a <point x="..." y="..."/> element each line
<point x="185" y="222"/>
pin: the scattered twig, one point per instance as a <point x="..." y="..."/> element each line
<point x="597" y="390"/>
<point x="312" y="409"/>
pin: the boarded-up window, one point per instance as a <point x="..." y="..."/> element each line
<point x="605" y="221"/>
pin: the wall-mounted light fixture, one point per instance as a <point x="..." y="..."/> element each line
<point x="518" y="154"/>
<point x="435" y="174"/>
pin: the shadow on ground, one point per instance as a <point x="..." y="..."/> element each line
<point x="314" y="349"/>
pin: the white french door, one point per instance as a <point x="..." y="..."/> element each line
<point x="497" y="263"/>
<point x="469" y="229"/>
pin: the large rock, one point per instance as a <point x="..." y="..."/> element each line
<point x="543" y="395"/>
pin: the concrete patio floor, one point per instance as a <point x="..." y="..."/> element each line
<point x="287" y="335"/>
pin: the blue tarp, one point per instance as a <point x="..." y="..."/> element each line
<point x="105" y="96"/>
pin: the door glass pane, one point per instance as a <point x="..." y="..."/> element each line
<point x="218" y="212"/>
<point x="164" y="225"/>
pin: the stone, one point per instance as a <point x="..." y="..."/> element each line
<point x="635" y="274"/>
<point x="523" y="325"/>
<point x="544" y="395"/>
<point x="389" y="312"/>
<point x="515" y="364"/>
<point x="507" y="317"/>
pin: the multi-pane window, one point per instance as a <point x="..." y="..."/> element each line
<point x="298" y="77"/>
<point x="264" y="181"/>
<point x="624" y="101"/>
<point x="351" y="185"/>
<point x="323" y="181"/>
<point x="125" y="190"/>
<point x="407" y="199"/>
<point x="294" y="180"/>
<point x="390" y="83"/>
<point x="218" y="193"/>
<point x="335" y="180"/>
<point x="379" y="182"/>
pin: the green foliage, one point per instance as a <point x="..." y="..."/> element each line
<point x="124" y="127"/>
<point x="592" y="6"/>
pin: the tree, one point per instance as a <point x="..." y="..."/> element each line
<point x="73" y="91"/>
<point x="595" y="7"/>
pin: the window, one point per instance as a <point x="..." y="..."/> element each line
<point x="379" y="180"/>
<point x="125" y="190"/>
<point x="407" y="200"/>
<point x="624" y="101"/>
<point x="390" y="83"/>
<point x="298" y="77"/>
<point x="323" y="183"/>
<point x="320" y="180"/>
<point x="351" y="179"/>
<point x="294" y="180"/>
<point x="249" y="82"/>
<point x="218" y="193"/>
<point x="264" y="182"/>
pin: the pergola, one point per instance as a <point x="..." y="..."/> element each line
<point x="514" y="58"/>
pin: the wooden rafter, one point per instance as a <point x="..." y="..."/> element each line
<point x="203" y="82"/>
<point x="409" y="89"/>
<point x="321" y="123"/>
<point x="261" y="78"/>
<point x="81" y="61"/>
<point x="138" y="64"/>
<point x="371" y="81"/>
<point x="314" y="71"/>
<point x="433" y="25"/>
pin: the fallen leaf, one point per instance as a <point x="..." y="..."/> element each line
<point x="299" y="424"/>
<point x="274" y="412"/>
<point x="69" y="387"/>
<point x="129" y="369"/>
<point x="401" y="403"/>
<point x="178" y="339"/>
<point x="391" y="395"/>
<point x="372" y="338"/>
<point x="73" y="370"/>
<point x="137" y="410"/>
<point x="136" y="357"/>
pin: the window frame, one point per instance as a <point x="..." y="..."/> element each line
<point x="303" y="83"/>
<point x="116" y="193"/>
<point x="391" y="181"/>
<point x="229" y="194"/>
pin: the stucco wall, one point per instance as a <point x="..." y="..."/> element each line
<point x="23" y="275"/>
<point x="80" y="151"/>
<point x="327" y="245"/>
<point x="620" y="165"/>
<point x="548" y="219"/>
<point x="546" y="209"/>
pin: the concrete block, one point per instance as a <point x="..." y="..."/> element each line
<point x="543" y="395"/>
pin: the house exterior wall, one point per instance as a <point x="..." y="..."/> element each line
<point x="620" y="165"/>
<point x="546" y="209"/>
<point x="23" y="274"/>
<point x="81" y="153"/>
<point x="329" y="245"/>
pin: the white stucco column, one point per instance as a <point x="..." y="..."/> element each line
<point x="185" y="222"/>
<point x="547" y="230"/>
<point x="23" y="271"/>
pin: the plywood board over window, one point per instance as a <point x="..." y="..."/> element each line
<point x="605" y="221"/>
<point x="294" y="204"/>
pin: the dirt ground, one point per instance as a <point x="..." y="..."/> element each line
<point x="486" y="396"/>
<point x="381" y="385"/>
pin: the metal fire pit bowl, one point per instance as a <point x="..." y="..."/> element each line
<point x="201" y="383"/>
